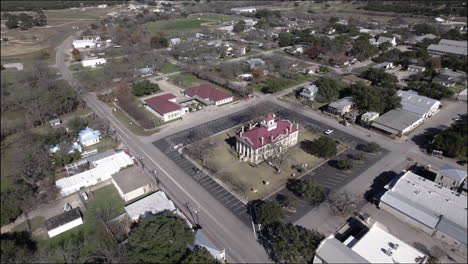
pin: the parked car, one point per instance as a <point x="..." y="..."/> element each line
<point x="345" y="123"/>
<point x="328" y="131"/>
<point x="67" y="207"/>
<point x="85" y="196"/>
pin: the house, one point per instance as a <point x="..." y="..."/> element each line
<point x="203" y="240"/>
<point x="343" y="22"/>
<point x="450" y="177"/>
<point x="415" y="68"/>
<point x="449" y="78"/>
<point x="341" y="106"/>
<point x="255" y="62"/>
<point x="74" y="147"/>
<point x="89" y="136"/>
<point x="340" y="60"/>
<point x="429" y="207"/>
<point x="250" y="22"/>
<point x="144" y="72"/>
<point x="448" y="47"/>
<point x="165" y="107"/>
<point x="93" y="62"/>
<point x="270" y="137"/>
<point x="131" y="183"/>
<point x="102" y="6"/>
<point x="421" y="105"/>
<point x="102" y="168"/>
<point x="246" y="76"/>
<point x="368" y="117"/>
<point x="243" y="10"/>
<point x="209" y="93"/>
<point x="174" y="41"/>
<point x="353" y="79"/>
<point x="312" y="69"/>
<point x="84" y="43"/>
<point x="295" y="49"/>
<point x="439" y="20"/>
<point x="63" y="222"/>
<point x="352" y="116"/>
<point x="309" y="92"/>
<point x="397" y="122"/>
<point x="152" y="204"/>
<point x="330" y="31"/>
<point x="384" y="65"/>
<point x="381" y="40"/>
<point x="55" y="122"/>
<point x="361" y="242"/>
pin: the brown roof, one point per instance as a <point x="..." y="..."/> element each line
<point x="207" y="91"/>
<point x="131" y="179"/>
<point x="161" y="103"/>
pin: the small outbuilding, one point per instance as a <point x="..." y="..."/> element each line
<point x="63" y="222"/>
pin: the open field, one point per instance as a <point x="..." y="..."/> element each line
<point x="176" y="24"/>
<point x="131" y="125"/>
<point x="169" y="68"/>
<point x="242" y="177"/>
<point x="186" y="80"/>
<point x="76" y="13"/>
<point x="214" y="17"/>
<point x="289" y="82"/>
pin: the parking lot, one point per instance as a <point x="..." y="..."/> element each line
<point x="325" y="174"/>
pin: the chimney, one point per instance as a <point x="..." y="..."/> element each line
<point x="261" y="140"/>
<point x="287" y="131"/>
<point x="297" y="125"/>
<point x="250" y="126"/>
<point x="290" y="127"/>
<point x="241" y="133"/>
<point x="242" y="129"/>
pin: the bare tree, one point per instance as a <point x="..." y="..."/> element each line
<point x="110" y="252"/>
<point x="278" y="154"/>
<point x="343" y="203"/>
<point x="199" y="150"/>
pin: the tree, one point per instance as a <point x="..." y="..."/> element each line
<point x="328" y="89"/>
<point x="278" y="155"/>
<point x="77" y="124"/>
<point x="421" y="29"/>
<point x="343" y="203"/>
<point x="145" y="88"/>
<point x="199" y="255"/>
<point x="285" y="39"/>
<point x="17" y="247"/>
<point x="62" y="101"/>
<point x="76" y="54"/>
<point x="26" y="21"/>
<point x="239" y="26"/>
<point x="159" y="41"/>
<point x="332" y="20"/>
<point x="292" y="243"/>
<point x="362" y="49"/>
<point x="12" y="22"/>
<point x="274" y="85"/>
<point x="345" y="164"/>
<point x="436" y="63"/>
<point x="307" y="189"/>
<point x="374" y="98"/>
<point x="432" y="90"/>
<point x="159" y="239"/>
<point x="323" y="147"/>
<point x="452" y="141"/>
<point x="380" y="77"/>
<point x="371" y="147"/>
<point x="269" y="213"/>
<point x="314" y="51"/>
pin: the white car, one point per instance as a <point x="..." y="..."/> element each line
<point x="328" y="131"/>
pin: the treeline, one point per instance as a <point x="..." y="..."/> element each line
<point x="14" y="6"/>
<point x="25" y="21"/>
<point x="427" y="8"/>
<point x="238" y="89"/>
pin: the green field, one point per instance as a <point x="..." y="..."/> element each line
<point x="134" y="128"/>
<point x="176" y="24"/>
<point x="214" y="17"/>
<point x="186" y="80"/>
<point x="169" y="68"/>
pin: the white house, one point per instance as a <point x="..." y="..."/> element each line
<point x="260" y="142"/>
<point x="102" y="170"/>
<point x="93" y="62"/>
<point x="84" y="43"/>
<point x="88" y="136"/>
<point x="244" y="10"/>
<point x="102" y="6"/>
<point x="165" y="107"/>
<point x="153" y="204"/>
<point x="63" y="222"/>
<point x="131" y="183"/>
<point x="174" y="41"/>
<point x="309" y="92"/>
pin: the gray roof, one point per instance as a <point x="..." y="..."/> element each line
<point x="145" y="71"/>
<point x="381" y="65"/>
<point x="100" y="156"/>
<point x="412" y="102"/>
<point x="348" y="100"/>
<point x="453" y="230"/>
<point x="255" y="62"/>
<point x="61" y="219"/>
<point x="53" y="121"/>
<point x="454" y="43"/>
<point x="332" y="250"/>
<point x="131" y="179"/>
<point x="150" y="205"/>
<point x="309" y="90"/>
<point x="457" y="50"/>
<point x="396" y="119"/>
<point x="203" y="241"/>
<point x="452" y="172"/>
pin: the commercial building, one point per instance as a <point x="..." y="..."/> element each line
<point x="152" y="204"/>
<point x="448" y="47"/>
<point x="63" y="222"/>
<point x="244" y="10"/>
<point x="418" y="104"/>
<point x="397" y="122"/>
<point x="271" y="137"/>
<point x="360" y="242"/>
<point x="84" y="43"/>
<point x="165" y="107"/>
<point x="208" y="93"/>
<point x="429" y="207"/>
<point x="131" y="183"/>
<point x="93" y="62"/>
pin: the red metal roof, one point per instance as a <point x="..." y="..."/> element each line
<point x="161" y="103"/>
<point x="269" y="117"/>
<point x="206" y="91"/>
<point x="254" y="136"/>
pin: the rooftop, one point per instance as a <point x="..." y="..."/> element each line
<point x="150" y="205"/>
<point x="342" y="102"/>
<point x="130" y="179"/>
<point x="61" y="219"/>
<point x="397" y="119"/>
<point x="88" y="134"/>
<point x="418" y="104"/>
<point x="207" y="91"/>
<point x="452" y="172"/>
<point x="161" y="103"/>
<point x="427" y="202"/>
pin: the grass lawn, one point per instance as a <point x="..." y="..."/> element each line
<point x="134" y="128"/>
<point x="176" y="24"/>
<point x="186" y="80"/>
<point x="109" y="197"/>
<point x="34" y="222"/>
<point x="457" y="88"/>
<point x="103" y="145"/>
<point x="242" y="177"/>
<point x="312" y="104"/>
<point x="288" y="82"/>
<point x="214" y="17"/>
<point x="76" y="67"/>
<point x="169" y="68"/>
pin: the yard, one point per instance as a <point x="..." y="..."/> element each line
<point x="169" y="68"/>
<point x="312" y="104"/>
<point x="134" y="128"/>
<point x="177" y="24"/>
<point x="264" y="86"/>
<point x="243" y="177"/>
<point x="186" y="80"/>
<point x="103" y="145"/>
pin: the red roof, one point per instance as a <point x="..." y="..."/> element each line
<point x="207" y="91"/>
<point x="254" y="136"/>
<point x="161" y="103"/>
<point x="269" y="117"/>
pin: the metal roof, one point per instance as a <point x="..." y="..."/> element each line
<point x="150" y="205"/>
<point x="455" y="43"/>
<point x="452" y="172"/>
<point x="62" y="219"/>
<point x="342" y="102"/>
<point x="412" y="102"/>
<point x="203" y="241"/>
<point x="397" y="119"/>
<point x="457" y="50"/>
<point x="332" y="250"/>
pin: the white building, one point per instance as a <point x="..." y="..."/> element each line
<point x="153" y="204"/>
<point x="202" y="240"/>
<point x="165" y="107"/>
<point x="174" y="41"/>
<point x="131" y="183"/>
<point x="93" y="62"/>
<point x="421" y="105"/>
<point x="429" y="207"/>
<point x="209" y="94"/>
<point x="101" y="170"/>
<point x="271" y="137"/>
<point x="398" y="122"/>
<point x="84" y="43"/>
<point x="63" y="222"/>
<point x="244" y="10"/>
<point x="357" y="243"/>
<point x="88" y="137"/>
<point x="102" y="6"/>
